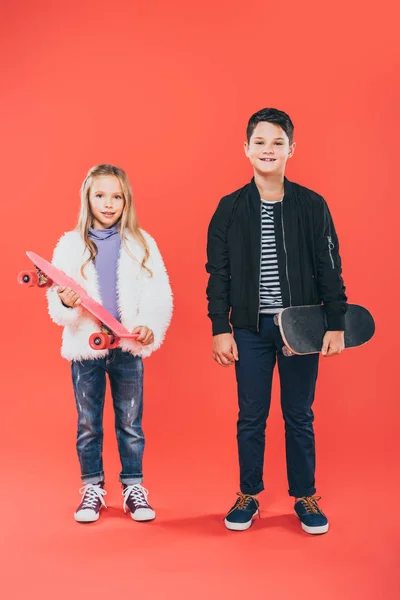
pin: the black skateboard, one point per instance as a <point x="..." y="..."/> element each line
<point x="303" y="328"/>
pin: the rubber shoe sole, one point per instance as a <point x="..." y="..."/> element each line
<point x="313" y="530"/>
<point x="143" y="514"/>
<point x="86" y="516"/>
<point x="240" y="526"/>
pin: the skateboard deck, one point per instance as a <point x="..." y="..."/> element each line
<point x="303" y="328"/>
<point x="47" y="275"/>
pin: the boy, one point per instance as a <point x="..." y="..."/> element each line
<point x="273" y="244"/>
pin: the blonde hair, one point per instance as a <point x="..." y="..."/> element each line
<point x="128" y="222"/>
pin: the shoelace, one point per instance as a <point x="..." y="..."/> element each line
<point x="138" y="494"/>
<point x="243" y="502"/>
<point x="91" y="494"/>
<point x="310" y="504"/>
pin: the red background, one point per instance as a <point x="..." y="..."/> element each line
<point x="165" y="90"/>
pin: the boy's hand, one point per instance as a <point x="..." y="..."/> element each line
<point x="145" y="336"/>
<point x="333" y="343"/>
<point x="225" y="350"/>
<point x="68" y="297"/>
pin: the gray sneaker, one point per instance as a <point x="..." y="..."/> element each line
<point x="89" y="509"/>
<point x="135" y="500"/>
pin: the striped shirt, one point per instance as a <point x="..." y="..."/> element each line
<point x="270" y="289"/>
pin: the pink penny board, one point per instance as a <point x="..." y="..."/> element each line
<point x="61" y="279"/>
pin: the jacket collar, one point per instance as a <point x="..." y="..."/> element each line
<point x="255" y="194"/>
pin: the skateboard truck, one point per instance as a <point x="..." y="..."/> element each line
<point x="34" y="278"/>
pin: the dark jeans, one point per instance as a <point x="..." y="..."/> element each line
<point x="125" y="372"/>
<point x="258" y="353"/>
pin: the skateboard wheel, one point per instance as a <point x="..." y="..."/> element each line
<point x="28" y="278"/>
<point x="113" y="342"/>
<point x="99" y="341"/>
<point x="276" y="320"/>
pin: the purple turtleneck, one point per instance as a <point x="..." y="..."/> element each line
<point x="108" y="242"/>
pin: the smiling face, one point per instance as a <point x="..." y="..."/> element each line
<point x="106" y="201"/>
<point x="269" y="149"/>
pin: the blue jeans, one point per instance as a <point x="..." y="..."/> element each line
<point x="125" y="373"/>
<point x="258" y="353"/>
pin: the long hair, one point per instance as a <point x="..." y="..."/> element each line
<point x="128" y="222"/>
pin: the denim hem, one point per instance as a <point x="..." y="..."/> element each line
<point x="302" y="493"/>
<point x="93" y="478"/>
<point x="252" y="491"/>
<point x="126" y="480"/>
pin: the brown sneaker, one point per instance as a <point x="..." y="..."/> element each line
<point x="92" y="501"/>
<point x="135" y="499"/>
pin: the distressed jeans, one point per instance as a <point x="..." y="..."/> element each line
<point x="125" y="373"/>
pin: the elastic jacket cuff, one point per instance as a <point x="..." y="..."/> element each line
<point x="221" y="325"/>
<point x="335" y="322"/>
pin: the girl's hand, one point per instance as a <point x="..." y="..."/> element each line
<point x="68" y="297"/>
<point x="333" y="343"/>
<point x="145" y="337"/>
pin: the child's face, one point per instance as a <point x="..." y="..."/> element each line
<point x="269" y="149"/>
<point x="106" y="201"/>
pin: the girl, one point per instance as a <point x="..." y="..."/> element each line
<point x="120" y="266"/>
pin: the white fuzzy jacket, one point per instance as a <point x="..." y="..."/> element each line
<point x="142" y="300"/>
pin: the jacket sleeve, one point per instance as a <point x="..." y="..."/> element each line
<point x="219" y="282"/>
<point x="156" y="302"/>
<point x="60" y="314"/>
<point x="329" y="269"/>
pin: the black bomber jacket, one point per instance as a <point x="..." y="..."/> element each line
<point x="308" y="257"/>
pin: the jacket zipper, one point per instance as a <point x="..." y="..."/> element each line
<point x="259" y="277"/>
<point x="286" y="255"/>
<point x="331" y="246"/>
